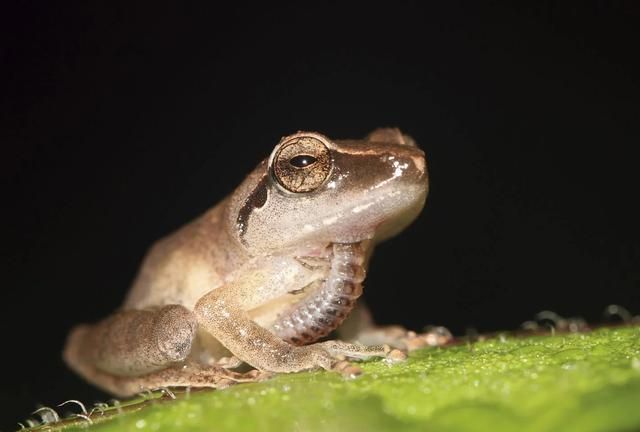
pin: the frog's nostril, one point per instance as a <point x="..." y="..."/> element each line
<point x="408" y="141"/>
<point x="419" y="163"/>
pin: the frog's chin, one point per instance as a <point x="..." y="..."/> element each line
<point x="378" y="218"/>
<point x="370" y="221"/>
<point x="354" y="238"/>
<point x="323" y="249"/>
<point x="377" y="229"/>
<point x="363" y="236"/>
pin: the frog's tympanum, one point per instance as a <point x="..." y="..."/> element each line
<point x="263" y="275"/>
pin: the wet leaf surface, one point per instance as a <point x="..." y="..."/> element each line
<point x="570" y="382"/>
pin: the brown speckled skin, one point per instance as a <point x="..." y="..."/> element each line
<point x="207" y="294"/>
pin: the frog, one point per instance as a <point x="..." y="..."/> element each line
<point x="266" y="275"/>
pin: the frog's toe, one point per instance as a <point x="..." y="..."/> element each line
<point x="396" y="356"/>
<point x="347" y="369"/>
<point x="340" y="349"/>
<point x="406" y="340"/>
<point x="437" y="336"/>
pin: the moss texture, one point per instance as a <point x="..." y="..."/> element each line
<point x="570" y="382"/>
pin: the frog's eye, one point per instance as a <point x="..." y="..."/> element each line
<point x="301" y="163"/>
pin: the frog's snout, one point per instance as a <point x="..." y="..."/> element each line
<point x="409" y="164"/>
<point x="391" y="135"/>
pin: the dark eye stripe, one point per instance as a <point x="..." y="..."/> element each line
<point x="255" y="200"/>
<point x="302" y="161"/>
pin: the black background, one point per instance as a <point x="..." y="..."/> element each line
<point x="122" y="122"/>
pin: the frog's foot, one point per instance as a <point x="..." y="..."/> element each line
<point x="329" y="355"/>
<point x="436" y="335"/>
<point x="343" y="350"/>
<point x="406" y="340"/>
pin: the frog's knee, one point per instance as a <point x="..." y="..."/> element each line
<point x="175" y="329"/>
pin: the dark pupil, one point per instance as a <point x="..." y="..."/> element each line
<point x="302" y="161"/>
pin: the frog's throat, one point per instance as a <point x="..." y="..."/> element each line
<point x="327" y="306"/>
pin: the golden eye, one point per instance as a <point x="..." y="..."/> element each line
<point x="301" y="164"/>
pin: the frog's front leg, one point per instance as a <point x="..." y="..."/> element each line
<point x="222" y="313"/>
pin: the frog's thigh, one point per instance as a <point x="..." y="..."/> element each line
<point x="132" y="342"/>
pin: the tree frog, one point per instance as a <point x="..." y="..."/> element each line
<point x="264" y="275"/>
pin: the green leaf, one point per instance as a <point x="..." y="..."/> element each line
<point x="570" y="382"/>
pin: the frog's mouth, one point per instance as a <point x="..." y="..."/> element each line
<point x="329" y="300"/>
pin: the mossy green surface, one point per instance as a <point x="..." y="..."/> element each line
<point x="570" y="382"/>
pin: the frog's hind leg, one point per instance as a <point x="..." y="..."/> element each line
<point x="360" y="327"/>
<point x="130" y="344"/>
<point x="182" y="375"/>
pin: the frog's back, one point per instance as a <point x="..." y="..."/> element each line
<point x="183" y="266"/>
